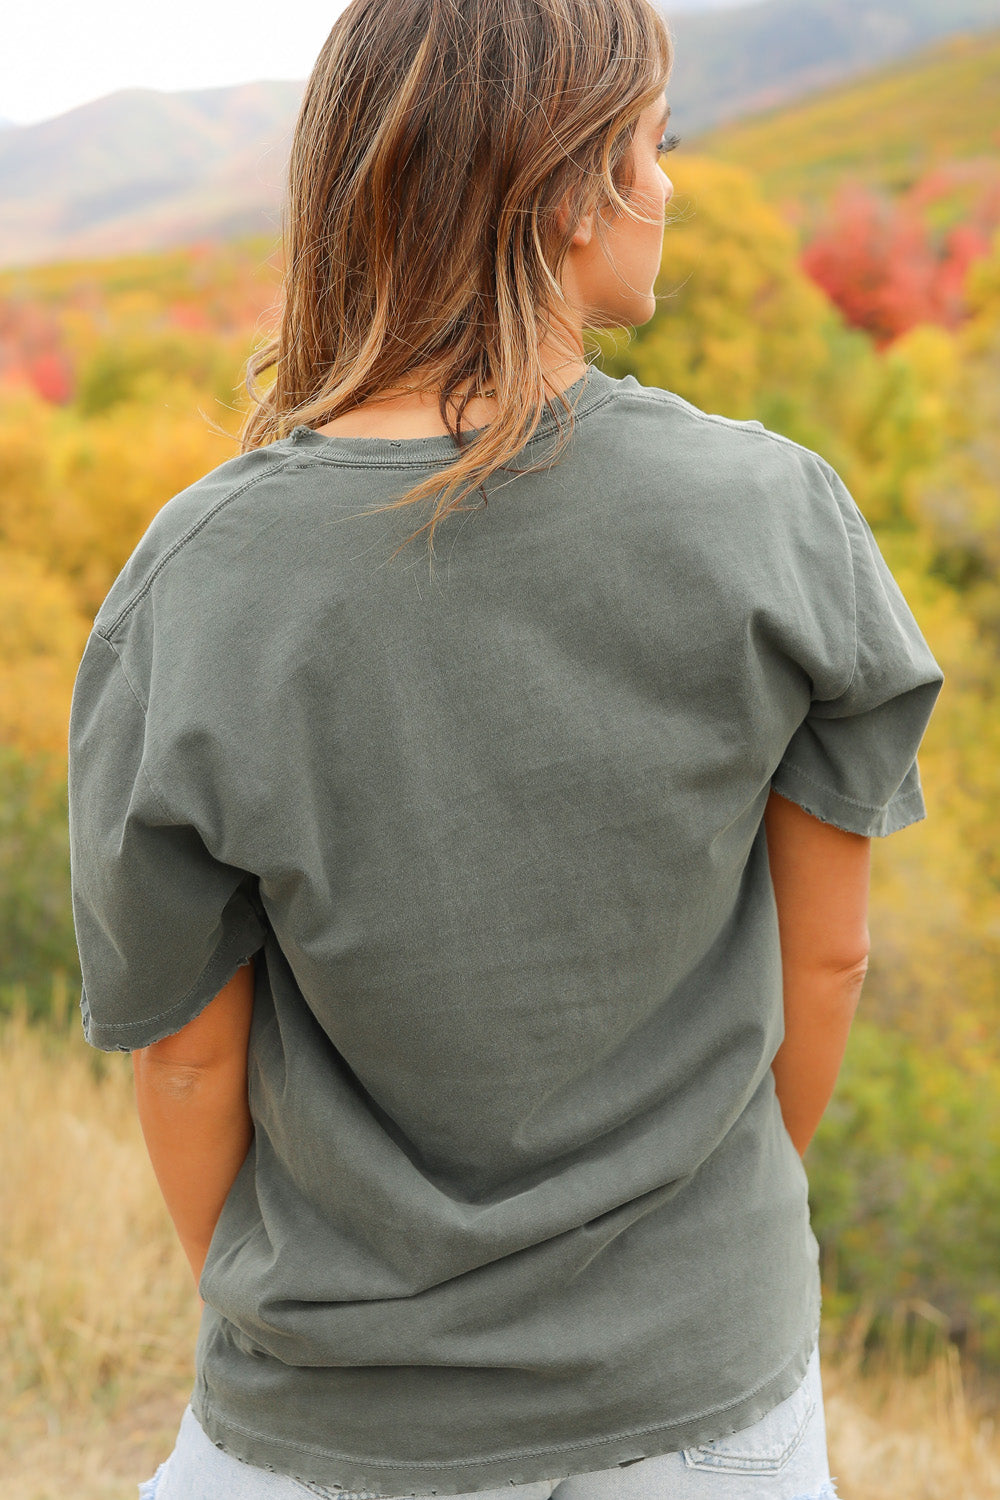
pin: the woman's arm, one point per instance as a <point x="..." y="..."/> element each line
<point x="191" y="1094"/>
<point x="820" y="875"/>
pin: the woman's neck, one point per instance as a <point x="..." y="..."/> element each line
<point x="414" y="414"/>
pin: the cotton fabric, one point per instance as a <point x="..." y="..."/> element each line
<point x="520" y="1199"/>
<point x="781" y="1457"/>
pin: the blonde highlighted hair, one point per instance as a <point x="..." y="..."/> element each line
<point x="435" y="143"/>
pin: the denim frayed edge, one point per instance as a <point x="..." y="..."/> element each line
<point x="148" y="1487"/>
<point x="827" y="1492"/>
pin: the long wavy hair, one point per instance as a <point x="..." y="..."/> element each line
<point x="435" y="143"/>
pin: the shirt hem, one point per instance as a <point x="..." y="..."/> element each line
<point x="316" y="1464"/>
<point x="853" y="816"/>
<point x="235" y="949"/>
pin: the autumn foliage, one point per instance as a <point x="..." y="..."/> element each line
<point x="888" y="267"/>
<point x="121" y="383"/>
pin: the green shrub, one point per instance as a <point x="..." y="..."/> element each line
<point x="905" y="1186"/>
<point x="38" y="955"/>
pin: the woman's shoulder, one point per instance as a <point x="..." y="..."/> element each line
<point x="682" y="419"/>
<point x="722" y="461"/>
<point x="190" y="524"/>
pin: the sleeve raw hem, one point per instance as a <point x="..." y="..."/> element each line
<point x="130" y="1036"/>
<point x="844" y="812"/>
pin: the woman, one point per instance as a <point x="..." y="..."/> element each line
<point x="487" y="935"/>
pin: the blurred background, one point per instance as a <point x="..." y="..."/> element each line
<point x="831" y="266"/>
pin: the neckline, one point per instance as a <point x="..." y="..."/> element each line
<point x="591" y="390"/>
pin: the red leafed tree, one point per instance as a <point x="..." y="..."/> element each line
<point x="884" y="266"/>
<point x="51" y="374"/>
<point x="187" y="315"/>
<point x="32" y="352"/>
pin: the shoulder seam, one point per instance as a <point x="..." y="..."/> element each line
<point x="829" y="473"/>
<point x="142" y="709"/>
<point x="182" y="541"/>
<point x="742" y="424"/>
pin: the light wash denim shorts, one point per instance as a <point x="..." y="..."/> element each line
<point x="781" y="1457"/>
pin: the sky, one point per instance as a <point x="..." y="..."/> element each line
<point x="56" y="54"/>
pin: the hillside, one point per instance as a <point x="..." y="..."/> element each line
<point x="734" y="63"/>
<point x="887" y="129"/>
<point x="142" y="170"/>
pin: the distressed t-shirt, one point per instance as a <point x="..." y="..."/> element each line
<point x="520" y="1202"/>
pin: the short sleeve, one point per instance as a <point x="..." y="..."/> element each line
<point x="161" y="925"/>
<point x="852" y="761"/>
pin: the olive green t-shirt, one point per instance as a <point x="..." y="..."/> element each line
<point x="520" y="1201"/>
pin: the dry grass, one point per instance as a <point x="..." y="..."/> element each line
<point x="95" y="1295"/>
<point x="895" y="1437"/>
<point x="98" y="1315"/>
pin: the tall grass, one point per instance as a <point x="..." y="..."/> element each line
<point x="98" y="1314"/>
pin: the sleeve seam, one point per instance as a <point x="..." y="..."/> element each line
<point x="671" y="398"/>
<point x="128" y="683"/>
<point x="826" y="472"/>
<point x="131" y="604"/>
<point x="791" y="765"/>
<point x="180" y="1004"/>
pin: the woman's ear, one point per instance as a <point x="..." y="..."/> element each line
<point x="583" y="233"/>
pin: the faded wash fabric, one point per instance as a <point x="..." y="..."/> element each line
<point x="781" y="1457"/>
<point x="520" y="1199"/>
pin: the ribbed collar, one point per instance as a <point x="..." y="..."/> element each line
<point x="592" y="390"/>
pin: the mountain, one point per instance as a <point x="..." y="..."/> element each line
<point x="731" y="64"/>
<point x="887" y="129"/>
<point x="141" y="169"/>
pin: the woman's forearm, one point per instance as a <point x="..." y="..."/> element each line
<point x="197" y="1127"/>
<point x="191" y="1095"/>
<point x="819" y="1008"/>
